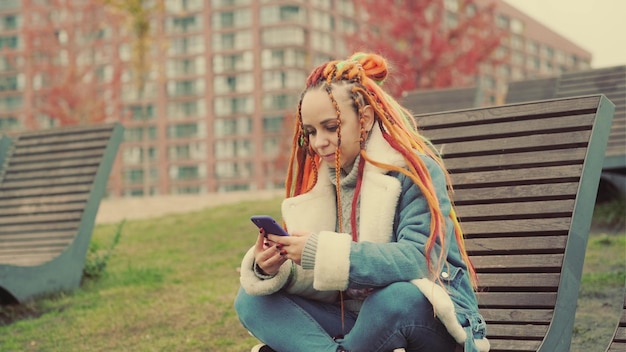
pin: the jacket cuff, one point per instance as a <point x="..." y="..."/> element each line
<point x="308" y="253"/>
<point x="332" y="261"/>
<point x="257" y="286"/>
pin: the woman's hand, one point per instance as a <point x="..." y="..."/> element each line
<point x="267" y="256"/>
<point x="290" y="247"/>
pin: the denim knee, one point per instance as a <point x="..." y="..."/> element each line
<point x="399" y="298"/>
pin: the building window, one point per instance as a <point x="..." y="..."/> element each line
<point x="9" y="22"/>
<point x="136" y="134"/>
<point x="235" y="62"/>
<point x="184" y="24"/>
<point x="241" y="83"/>
<point x="224" y="170"/>
<point x="232" y="40"/>
<point x="185" y="88"/>
<point x="187" y="172"/>
<point x="517" y="26"/>
<point x="9" y="41"/>
<point x="141" y="112"/>
<point x="241" y="126"/>
<point x="183" y="6"/>
<point x="282" y="13"/>
<point x="186" y="67"/>
<point x="184" y="109"/>
<point x="282" y="35"/>
<point x="9" y="123"/>
<point x="279" y="101"/>
<point x="283" y="79"/>
<point x="186" y="45"/>
<point x="187" y="130"/>
<point x="233" y="148"/>
<point x="228" y="106"/>
<point x="8" y="103"/>
<point x="192" y="151"/>
<point x="273" y="123"/>
<point x="283" y="58"/>
<point x="232" y="19"/>
<point x="226" y="3"/>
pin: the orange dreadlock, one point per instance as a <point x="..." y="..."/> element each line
<point x="363" y="74"/>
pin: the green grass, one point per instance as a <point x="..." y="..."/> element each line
<point x="170" y="284"/>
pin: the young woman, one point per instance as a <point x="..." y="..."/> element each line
<point x="375" y="258"/>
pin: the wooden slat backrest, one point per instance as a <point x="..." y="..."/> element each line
<point x="44" y="188"/>
<point x="525" y="179"/>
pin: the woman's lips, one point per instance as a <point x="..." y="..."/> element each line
<point x="328" y="157"/>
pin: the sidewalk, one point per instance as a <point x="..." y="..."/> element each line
<point x="115" y="210"/>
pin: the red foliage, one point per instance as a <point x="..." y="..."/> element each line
<point x="72" y="60"/>
<point x="425" y="49"/>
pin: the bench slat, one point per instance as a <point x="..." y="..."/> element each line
<point x="49" y="191"/>
<point x="516" y="210"/>
<point x="549" y="227"/>
<point x="525" y="127"/>
<point x="504" y="194"/>
<point x="25" y="237"/>
<point x="512" y="345"/>
<point x="33" y="202"/>
<point x="63" y="138"/>
<point x="39" y="227"/>
<point x="59" y="148"/>
<point x="561" y="107"/>
<point x="40" y="218"/>
<point x="81" y="177"/>
<point x="554" y="174"/>
<point x="38" y="162"/>
<point x="516" y="300"/>
<point x="502" y="245"/>
<point x="513" y="145"/>
<point x="42" y="209"/>
<point x="518" y="263"/>
<point x="524" y="316"/>
<point x="518" y="160"/>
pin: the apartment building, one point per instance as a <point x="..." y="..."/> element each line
<point x="529" y="49"/>
<point x="227" y="73"/>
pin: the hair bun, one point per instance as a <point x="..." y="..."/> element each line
<point x="375" y="66"/>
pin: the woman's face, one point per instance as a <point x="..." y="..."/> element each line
<point x="319" y="120"/>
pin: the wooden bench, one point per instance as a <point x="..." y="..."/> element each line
<point x="525" y="179"/>
<point x="51" y="184"/>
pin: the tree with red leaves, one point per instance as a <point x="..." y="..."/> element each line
<point x="429" y="43"/>
<point x="70" y="53"/>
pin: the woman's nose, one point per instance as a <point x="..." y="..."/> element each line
<point x="319" y="141"/>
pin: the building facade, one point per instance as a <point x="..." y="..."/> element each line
<point x="529" y="49"/>
<point x="225" y="76"/>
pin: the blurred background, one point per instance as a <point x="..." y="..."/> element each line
<point x="207" y="88"/>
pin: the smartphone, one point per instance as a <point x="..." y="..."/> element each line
<point x="270" y="225"/>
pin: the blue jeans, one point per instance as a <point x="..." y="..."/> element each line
<point x="392" y="317"/>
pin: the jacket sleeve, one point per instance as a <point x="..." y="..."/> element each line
<point x="290" y="277"/>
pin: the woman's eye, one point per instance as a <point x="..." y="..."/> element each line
<point x="332" y="128"/>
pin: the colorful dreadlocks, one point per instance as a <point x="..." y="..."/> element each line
<point x="363" y="74"/>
